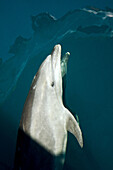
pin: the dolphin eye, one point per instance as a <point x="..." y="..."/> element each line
<point x="52" y="84"/>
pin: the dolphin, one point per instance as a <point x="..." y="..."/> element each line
<point x="45" y="119"/>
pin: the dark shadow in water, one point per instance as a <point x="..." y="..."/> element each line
<point x="31" y="156"/>
<point x="64" y="90"/>
<point x="3" y="166"/>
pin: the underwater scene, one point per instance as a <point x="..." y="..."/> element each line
<point x="86" y="32"/>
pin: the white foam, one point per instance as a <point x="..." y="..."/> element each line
<point x="89" y="10"/>
<point x="108" y="14"/>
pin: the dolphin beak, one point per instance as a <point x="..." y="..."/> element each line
<point x="55" y="61"/>
<point x="56" y="69"/>
<point x="56" y="56"/>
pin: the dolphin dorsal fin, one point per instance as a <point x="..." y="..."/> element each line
<point x="73" y="127"/>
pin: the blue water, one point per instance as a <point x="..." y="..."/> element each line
<point x="87" y="34"/>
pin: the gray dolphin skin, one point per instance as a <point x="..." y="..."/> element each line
<point x="45" y="119"/>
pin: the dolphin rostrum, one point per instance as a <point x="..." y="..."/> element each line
<point x="45" y="119"/>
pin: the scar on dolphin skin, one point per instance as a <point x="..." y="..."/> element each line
<point x="42" y="135"/>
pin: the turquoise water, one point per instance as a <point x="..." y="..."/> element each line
<point x="87" y="35"/>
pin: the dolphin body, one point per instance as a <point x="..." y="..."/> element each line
<point x="45" y="120"/>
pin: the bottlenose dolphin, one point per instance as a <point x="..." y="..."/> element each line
<point x="45" y="119"/>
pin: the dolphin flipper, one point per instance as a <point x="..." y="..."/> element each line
<point x="64" y="62"/>
<point x="73" y="127"/>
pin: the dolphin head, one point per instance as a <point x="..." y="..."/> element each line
<point x="49" y="74"/>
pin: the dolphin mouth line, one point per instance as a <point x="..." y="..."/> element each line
<point x="52" y="68"/>
<point x="56" y="60"/>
